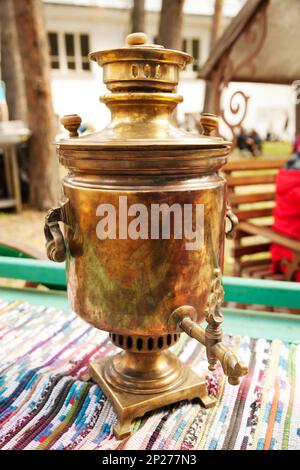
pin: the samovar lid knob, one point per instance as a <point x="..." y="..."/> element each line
<point x="209" y="123"/>
<point x="71" y="123"/>
<point x="136" y="39"/>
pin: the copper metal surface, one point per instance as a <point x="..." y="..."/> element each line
<point x="144" y="291"/>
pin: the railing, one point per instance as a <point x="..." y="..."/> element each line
<point x="240" y="290"/>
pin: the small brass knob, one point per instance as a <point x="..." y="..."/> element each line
<point x="209" y="123"/>
<point x="71" y="122"/>
<point x="136" y="39"/>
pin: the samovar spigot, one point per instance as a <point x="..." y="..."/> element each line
<point x="211" y="337"/>
<point x="231" y="365"/>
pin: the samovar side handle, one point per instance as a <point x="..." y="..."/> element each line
<point x="55" y="243"/>
<point x="233" y="221"/>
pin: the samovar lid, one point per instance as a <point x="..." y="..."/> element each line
<point x="142" y="79"/>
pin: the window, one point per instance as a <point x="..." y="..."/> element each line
<point x="195" y="54"/>
<point x="53" y="46"/>
<point x="84" y="49"/>
<point x="192" y="47"/>
<point x="69" y="52"/>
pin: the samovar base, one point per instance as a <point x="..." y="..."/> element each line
<point x="130" y="404"/>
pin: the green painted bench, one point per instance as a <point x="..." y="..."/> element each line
<point x="256" y="324"/>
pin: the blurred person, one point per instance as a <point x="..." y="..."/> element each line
<point x="249" y="143"/>
<point x="256" y="144"/>
<point x="242" y="143"/>
<point x="287" y="210"/>
<point x="269" y="136"/>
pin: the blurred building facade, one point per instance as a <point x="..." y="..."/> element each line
<point x="76" y="27"/>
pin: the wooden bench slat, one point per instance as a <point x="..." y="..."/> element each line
<point x="244" y="234"/>
<point x="272" y="235"/>
<point x="251" y="249"/>
<point x="254" y="165"/>
<point x="255" y="262"/>
<point x="265" y="274"/>
<point x="253" y="213"/>
<point x="249" y="180"/>
<point x="257" y="270"/>
<point x="264" y="268"/>
<point x="236" y="199"/>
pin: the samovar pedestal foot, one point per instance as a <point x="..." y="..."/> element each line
<point x="129" y="406"/>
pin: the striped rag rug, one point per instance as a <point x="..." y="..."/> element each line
<point x="48" y="402"/>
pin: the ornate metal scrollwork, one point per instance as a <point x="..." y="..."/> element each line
<point x="214" y="318"/>
<point x="215" y="348"/>
<point x="238" y="107"/>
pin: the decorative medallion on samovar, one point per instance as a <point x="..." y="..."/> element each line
<point x="144" y="212"/>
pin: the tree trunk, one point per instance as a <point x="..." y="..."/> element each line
<point x="217" y="24"/>
<point x="170" y="25"/>
<point x="216" y="31"/>
<point x="43" y="165"/>
<point x="138" y="16"/>
<point x="11" y="67"/>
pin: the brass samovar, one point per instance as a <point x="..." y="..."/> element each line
<point x="148" y="288"/>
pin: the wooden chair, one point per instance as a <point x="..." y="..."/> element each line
<point x="251" y="192"/>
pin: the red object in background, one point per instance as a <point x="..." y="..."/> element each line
<point x="296" y="148"/>
<point x="286" y="214"/>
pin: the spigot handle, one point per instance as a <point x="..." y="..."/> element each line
<point x="232" y="367"/>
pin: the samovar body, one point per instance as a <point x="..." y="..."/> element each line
<point x="144" y="210"/>
<point x="126" y="284"/>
